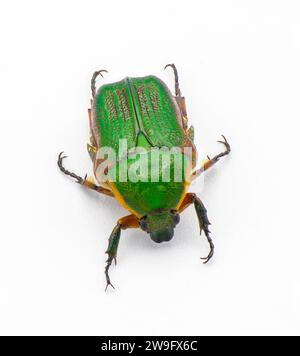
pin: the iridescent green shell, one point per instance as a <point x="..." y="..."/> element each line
<point x="144" y="112"/>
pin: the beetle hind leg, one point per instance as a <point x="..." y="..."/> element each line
<point x="179" y="98"/>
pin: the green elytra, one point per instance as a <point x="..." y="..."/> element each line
<point x="143" y="112"/>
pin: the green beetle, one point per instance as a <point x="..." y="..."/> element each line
<point x="143" y="112"/>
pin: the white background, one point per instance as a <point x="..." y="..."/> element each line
<point x="239" y="65"/>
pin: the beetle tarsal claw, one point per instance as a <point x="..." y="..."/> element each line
<point x="208" y="258"/>
<point x="211" y="246"/>
<point x="65" y="171"/>
<point x="102" y="71"/>
<point x="108" y="264"/>
<point x="225" y="142"/>
<point x="93" y="81"/>
<point x="61" y="157"/>
<point x="107" y="285"/>
<point x="177" y="90"/>
<point x="169" y="65"/>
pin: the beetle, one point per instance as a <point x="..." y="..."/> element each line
<point x="145" y="113"/>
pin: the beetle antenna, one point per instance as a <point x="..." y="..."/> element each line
<point x="177" y="90"/>
<point x="93" y="81"/>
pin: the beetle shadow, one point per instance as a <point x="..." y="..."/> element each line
<point x="106" y="203"/>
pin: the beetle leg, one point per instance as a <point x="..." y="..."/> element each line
<point x="204" y="223"/>
<point x="93" y="80"/>
<point x="211" y="161"/>
<point x="129" y="221"/>
<point x="179" y="98"/>
<point x="113" y="243"/>
<point x="82" y="181"/>
<point x="177" y="90"/>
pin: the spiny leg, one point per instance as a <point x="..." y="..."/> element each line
<point x="204" y="223"/>
<point x="113" y="243"/>
<point x="82" y="181"/>
<point x="93" y="80"/>
<point x="129" y="221"/>
<point x="212" y="161"/>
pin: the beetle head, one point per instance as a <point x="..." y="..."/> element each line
<point x="160" y="224"/>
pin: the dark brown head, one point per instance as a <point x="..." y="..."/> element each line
<point x="160" y="224"/>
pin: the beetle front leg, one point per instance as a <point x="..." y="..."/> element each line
<point x="129" y="221"/>
<point x="211" y="161"/>
<point x="204" y="223"/>
<point x="113" y="243"/>
<point x="82" y="181"/>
